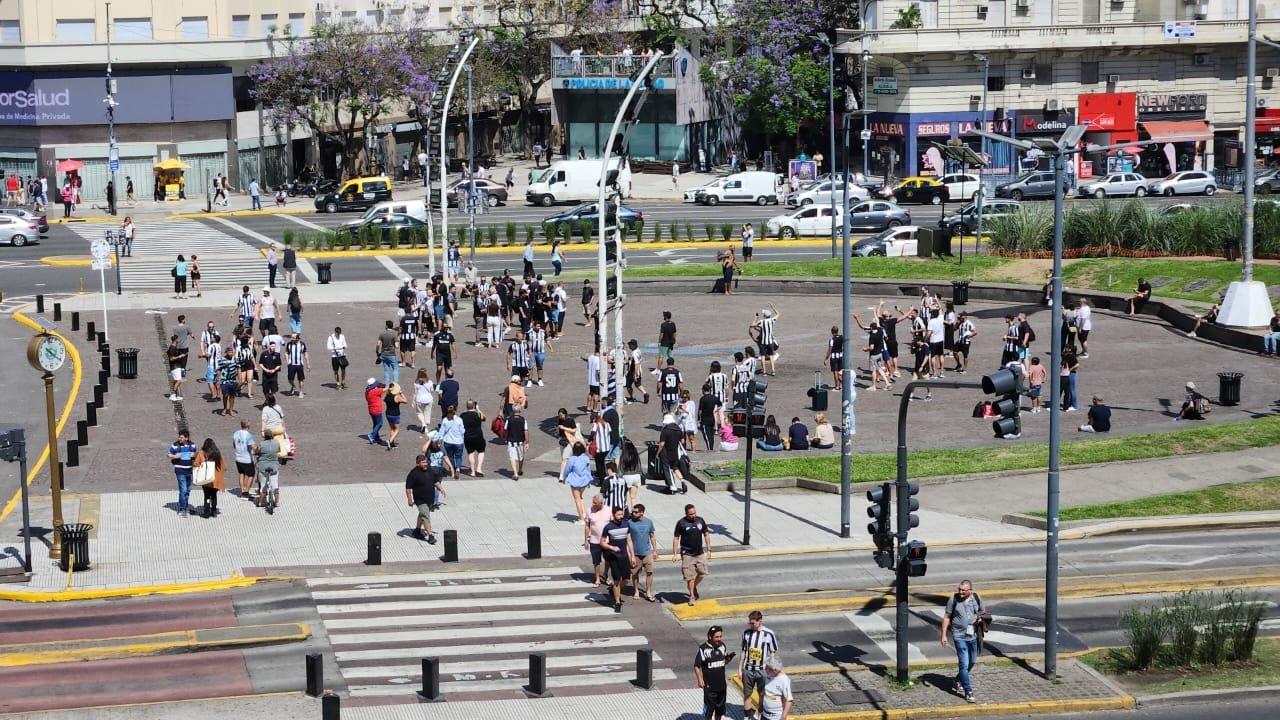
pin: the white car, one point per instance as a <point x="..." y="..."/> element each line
<point x="822" y="193"/>
<point x="1187" y="182"/>
<point x="961" y="185"/>
<point x="1114" y="185"/>
<point x="809" y="220"/>
<point x="893" y="242"/>
<point x="18" y="231"/>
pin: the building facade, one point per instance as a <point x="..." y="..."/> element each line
<point x="1130" y="69"/>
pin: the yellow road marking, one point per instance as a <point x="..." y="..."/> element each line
<point x="150" y="644"/>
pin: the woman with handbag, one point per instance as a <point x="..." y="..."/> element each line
<point x="209" y="474"/>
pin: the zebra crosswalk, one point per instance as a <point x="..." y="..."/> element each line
<point x="482" y="625"/>
<point x="225" y="261"/>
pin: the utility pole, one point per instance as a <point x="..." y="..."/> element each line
<point x="866" y="112"/>
<point x="982" y="124"/>
<point x="846" y="349"/>
<point x="831" y="112"/>
<point x="444" y="155"/>
<point x="472" y="205"/>
<point x="113" y="154"/>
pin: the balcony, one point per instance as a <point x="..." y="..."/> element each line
<point x="1058" y="37"/>
<point x="606" y="66"/>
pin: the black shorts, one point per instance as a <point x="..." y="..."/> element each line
<point x="837" y="364"/>
<point x="746" y="251"/>
<point x="593" y="390"/>
<point x="473" y="443"/>
<point x="444" y="360"/>
<point x="1084" y="334"/>
<point x="962" y="348"/>
<point x="619" y="565"/>
<point x="523" y="372"/>
<point x="893" y="349"/>
<point x="246" y="364"/>
<point x="297" y="373"/>
<point x="245" y="469"/>
<point x="408" y="345"/>
<point x="337" y="362"/>
<point x="766" y="349"/>
<point x="267" y="326"/>
<point x="936" y="349"/>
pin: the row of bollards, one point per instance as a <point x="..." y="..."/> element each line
<point x="91" y="406"/>
<point x="533" y="541"/>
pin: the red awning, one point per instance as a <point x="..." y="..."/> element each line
<point x="1178" y="130"/>
<point x="1267" y="124"/>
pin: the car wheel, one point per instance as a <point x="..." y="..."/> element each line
<point x="1140" y="192"/>
<point x="788" y="232"/>
<point x="18" y="240"/>
<point x="1016" y="194"/>
<point x="1265" y="189"/>
<point x="1168" y="192"/>
<point x="712" y="201"/>
<point x="546" y="200"/>
<point x="957" y="230"/>
<point x="895" y="223"/>
<point x="1100" y="194"/>
<point x="331" y="207"/>
<point x="806" y="202"/>
<point x="936" y="200"/>
<point x="1209" y="190"/>
<point x="762" y="200"/>
<point x="491" y="201"/>
<point x="878" y="252"/>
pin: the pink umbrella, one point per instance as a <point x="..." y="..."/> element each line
<point x="70" y="165"/>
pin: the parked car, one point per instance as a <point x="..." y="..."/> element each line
<point x="567" y="181"/>
<point x="966" y="221"/>
<point x="494" y="193"/>
<point x="413" y="208"/>
<point x="396" y="223"/>
<point x="17" y="231"/>
<point x="1267" y="181"/>
<point x="1028" y="185"/>
<point x="1114" y="185"/>
<point x="587" y="212"/>
<point x="961" y="185"/>
<point x="39" y="218"/>
<point x="1178" y="208"/>
<point x="808" y="220"/>
<point x="893" y="242"/>
<point x="1187" y="182"/>
<point x="877" y="215"/>
<point x="921" y="190"/>
<point x="355" y="194"/>
<point x="821" y="193"/>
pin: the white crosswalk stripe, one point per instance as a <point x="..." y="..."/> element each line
<point x="225" y="261"/>
<point x="482" y="625"/>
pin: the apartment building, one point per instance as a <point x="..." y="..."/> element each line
<point x="181" y="89"/>
<point x="1130" y="69"/>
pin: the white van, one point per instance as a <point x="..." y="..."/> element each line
<point x="757" y="187"/>
<point x="571" y="181"/>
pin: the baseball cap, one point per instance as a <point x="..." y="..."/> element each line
<point x="371" y="381"/>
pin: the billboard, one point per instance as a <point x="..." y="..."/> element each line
<point x="76" y="98"/>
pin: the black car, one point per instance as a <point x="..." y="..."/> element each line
<point x="966" y="221"/>
<point x="586" y="212"/>
<point x="397" y="225"/>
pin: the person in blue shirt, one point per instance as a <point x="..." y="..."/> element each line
<point x="644" y="541"/>
<point x="181" y="453"/>
<point x="1099" y="418"/>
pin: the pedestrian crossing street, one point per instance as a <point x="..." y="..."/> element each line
<point x="225" y="261"/>
<point x="482" y="625"/>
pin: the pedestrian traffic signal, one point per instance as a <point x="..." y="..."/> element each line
<point x="10" y="441"/>
<point x="879" y="529"/>
<point x="756" y="393"/>
<point x="913" y="558"/>
<point x="1005" y="383"/>
<point x="611" y="288"/>
<point x="612" y="239"/>
<point x="738" y="416"/>
<point x="913" y="520"/>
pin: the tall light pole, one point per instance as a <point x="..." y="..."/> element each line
<point x="866" y="113"/>
<point x="444" y="158"/>
<point x="846" y="345"/>
<point x="982" y="124"/>
<point x="472" y="206"/>
<point x="831" y="114"/>
<point x="113" y="158"/>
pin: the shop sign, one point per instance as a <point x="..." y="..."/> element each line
<point x="967" y="127"/>
<point x="1173" y="103"/>
<point x="1179" y="29"/>
<point x="885" y="85"/>
<point x="933" y="128"/>
<point x="1108" y="112"/>
<point x="887" y="128"/>
<point x="1033" y="124"/>
<point x="606" y="83"/>
<point x="28" y="98"/>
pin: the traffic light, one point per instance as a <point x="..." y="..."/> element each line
<point x="612" y="239"/>
<point x="611" y="288"/>
<point x="1005" y="383"/>
<point x="10" y="441"/>
<point x="879" y="512"/>
<point x="738" y="416"/>
<point x="756" y="393"/>
<point x="913" y="520"/>
<point x="913" y="558"/>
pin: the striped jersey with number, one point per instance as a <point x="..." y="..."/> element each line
<point x="615" y="488"/>
<point x="538" y="340"/>
<point x="758" y="646"/>
<point x="669" y="383"/>
<point x="408" y="328"/>
<point x="742" y="374"/>
<point x="965" y="331"/>
<point x="519" y="352"/>
<point x="297" y="352"/>
<point x="246" y="305"/>
<point x="719" y="386"/>
<point x="836" y="346"/>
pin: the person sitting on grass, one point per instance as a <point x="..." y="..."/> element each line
<point x="1195" y="406"/>
<point x="824" y="436"/>
<point x="797" y="435"/>
<point x="1099" y="418"/>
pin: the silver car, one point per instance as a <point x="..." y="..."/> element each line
<point x="1114" y="185"/>
<point x="1187" y="182"/>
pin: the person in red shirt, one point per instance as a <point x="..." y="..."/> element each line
<point x="11" y="189"/>
<point x="373" y="398"/>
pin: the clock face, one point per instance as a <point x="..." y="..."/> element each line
<point x="52" y="353"/>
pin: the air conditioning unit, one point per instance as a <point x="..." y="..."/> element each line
<point x="1273" y="72"/>
<point x="1052" y="105"/>
<point x="1200" y="59"/>
<point x="1028" y="73"/>
<point x="973" y="99"/>
<point x="1022" y="3"/>
<point x="982" y="11"/>
<point x="1113" y="79"/>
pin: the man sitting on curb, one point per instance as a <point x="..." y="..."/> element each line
<point x="1099" y="418"/>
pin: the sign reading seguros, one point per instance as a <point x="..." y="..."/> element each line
<point x="77" y="99"/>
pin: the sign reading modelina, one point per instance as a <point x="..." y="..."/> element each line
<point x="77" y="99"/>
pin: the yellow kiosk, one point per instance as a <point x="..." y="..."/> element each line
<point x="169" y="174"/>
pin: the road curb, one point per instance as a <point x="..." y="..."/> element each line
<point x="589" y="246"/>
<point x="48" y="653"/>
<point x="1206" y="695"/>
<point x="230" y="583"/>
<point x="66" y="261"/>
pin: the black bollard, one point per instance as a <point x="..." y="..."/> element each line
<point x="105" y="363"/>
<point x="330" y="706"/>
<point x="91" y="412"/>
<point x="103" y="377"/>
<point x="374" y="556"/>
<point x="57" y="311"/>
<point x="75" y="322"/>
<point x="315" y="674"/>
<point x="40" y="304"/>
<point x="91" y="330"/>
<point x="82" y="433"/>
<point x="644" y="669"/>
<point x="73" y="454"/>
<point x="450" y="546"/>
<point x="537" y="686"/>
<point x="430" y="680"/>
<point x="533" y="538"/>
<point x="99" y="398"/>
<point x="62" y="477"/>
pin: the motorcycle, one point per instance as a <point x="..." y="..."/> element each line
<point x="309" y="188"/>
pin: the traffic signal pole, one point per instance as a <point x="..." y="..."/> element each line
<point x="1055" y="430"/>
<point x="746" y="510"/>
<point x="902" y="495"/>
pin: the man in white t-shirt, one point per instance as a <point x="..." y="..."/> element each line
<point x="422" y="167"/>
<point x="1084" y="323"/>
<point x="777" y="700"/>
<point x="937" y="331"/>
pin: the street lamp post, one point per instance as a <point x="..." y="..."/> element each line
<point x="866" y="112"/>
<point x="444" y="158"/>
<point x="831" y="112"/>
<point x="472" y="206"/>
<point x="113" y="160"/>
<point x="846" y="348"/>
<point x="982" y="123"/>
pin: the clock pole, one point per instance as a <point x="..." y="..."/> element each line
<point x="55" y="468"/>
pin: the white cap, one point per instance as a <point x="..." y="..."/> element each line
<point x="371" y="381"/>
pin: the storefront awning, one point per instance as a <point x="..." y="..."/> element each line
<point x="1178" y="130"/>
<point x="1267" y="125"/>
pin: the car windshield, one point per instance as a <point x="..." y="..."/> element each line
<point x="1025" y="178"/>
<point x="881" y="236"/>
<point x="583" y="208"/>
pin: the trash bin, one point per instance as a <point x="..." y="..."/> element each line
<point x="324" y="272"/>
<point x="75" y="542"/>
<point x="960" y="292"/>
<point x="127" y="363"/>
<point x="652" y="468"/>
<point x="1229" y="388"/>
<point x="1231" y="250"/>
<point x="942" y="241"/>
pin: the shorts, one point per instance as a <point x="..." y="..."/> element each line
<point x="766" y="350"/>
<point x="444" y="360"/>
<point x="177" y="374"/>
<point x="297" y="373"/>
<point x="1022" y="353"/>
<point x="1035" y="391"/>
<point x="593" y="390"/>
<point x="269" y="481"/>
<point x="267" y="326"/>
<point x="837" y="364"/>
<point x="408" y="345"/>
<point x="473" y="444"/>
<point x="633" y="480"/>
<point x="1084" y="334"/>
<point x="893" y="349"/>
<point x="245" y="469"/>
<point x="619" y="565"/>
<point x="538" y="359"/>
<point x="962" y="348"/>
<point x="392" y="419"/>
<point x="515" y="451"/>
<point x="876" y="360"/>
<point x="746" y="251"/>
<point x="230" y="388"/>
<point x="336" y="362"/>
<point x="664" y="352"/>
<point x="753" y="679"/>
<point x="643" y="562"/>
<point x="597" y="555"/>
<point x="424" y="512"/>
<point x="693" y="566"/>
<point x="936" y="349"/>
<point x="522" y="372"/>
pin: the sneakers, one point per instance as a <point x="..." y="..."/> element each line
<point x="1085" y="356"/>
<point x="417" y="534"/>
<point x="528" y="383"/>
<point x="540" y="383"/>
<point x="968" y="697"/>
<point x="301" y="395"/>
<point x="1191" y="333"/>
<point x="1071" y="409"/>
<point x="617" y="607"/>
<point x="431" y="539"/>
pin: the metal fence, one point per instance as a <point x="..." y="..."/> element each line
<point x="607" y="66"/>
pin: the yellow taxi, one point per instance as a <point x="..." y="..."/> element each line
<point x="920" y="189"/>
<point x="355" y="194"/>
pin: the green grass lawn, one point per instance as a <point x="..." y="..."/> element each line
<point x="1121" y="275"/>
<point x="882" y="466"/>
<point x="1262" y="671"/>
<point x="1238" y="497"/>
<point x="974" y="267"/>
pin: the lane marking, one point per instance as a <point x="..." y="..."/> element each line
<point x="419" y="577"/>
<point x="414" y="672"/>
<point x="462" y="602"/>
<point x="305" y="223"/>
<point x="436" y="588"/>
<point x="516" y="616"/>
<point x="391" y="267"/>
<point x="880" y="631"/>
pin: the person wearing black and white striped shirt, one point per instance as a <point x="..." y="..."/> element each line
<point x="539" y="346"/>
<point x="297" y="362"/>
<point x="615" y="489"/>
<point x="634" y="371"/>
<point x="670" y="383"/>
<point x="758" y="645"/>
<point x="519" y="358"/>
<point x="246" y="307"/>
<point x="742" y="374"/>
<point x="965" y="333"/>
<point x="835" y="357"/>
<point x="408" y="339"/>
<point x="762" y="330"/>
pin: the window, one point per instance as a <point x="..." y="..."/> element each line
<point x="396" y="18"/>
<point x="10" y="32"/>
<point x="195" y="28"/>
<point x="132" y="29"/>
<point x="348" y="15"/>
<point x="1166" y="70"/>
<point x="995" y="78"/>
<point x="371" y="18"/>
<point x="267" y="24"/>
<point x="240" y="26"/>
<point x="446" y="16"/>
<point x="297" y="24"/>
<point x="1044" y="74"/>
<point x="1088" y="73"/>
<point x="1228" y="70"/>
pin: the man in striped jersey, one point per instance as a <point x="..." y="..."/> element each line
<point x="408" y="338"/>
<point x="762" y="331"/>
<point x="634" y="372"/>
<point x="211" y="351"/>
<point x="615" y="488"/>
<point x="519" y="358"/>
<point x="540" y="346"/>
<point x="246" y="307"/>
<point x="759" y="644"/>
<point x="835" y="357"/>
<point x="670" y="383"/>
<point x="742" y="374"/>
<point x="298" y="361"/>
<point x="619" y="554"/>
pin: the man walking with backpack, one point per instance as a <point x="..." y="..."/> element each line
<point x="964" y="619"/>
